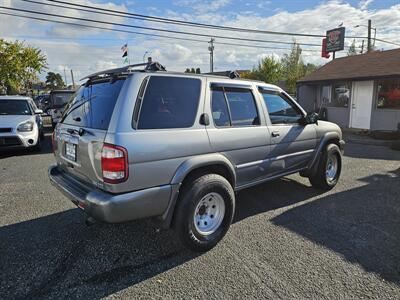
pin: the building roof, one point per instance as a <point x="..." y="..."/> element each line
<point x="362" y="66"/>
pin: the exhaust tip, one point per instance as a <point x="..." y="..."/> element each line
<point x="30" y="141"/>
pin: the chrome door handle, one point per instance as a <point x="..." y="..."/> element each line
<point x="275" y="133"/>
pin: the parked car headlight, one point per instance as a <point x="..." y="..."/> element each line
<point x="27" y="126"/>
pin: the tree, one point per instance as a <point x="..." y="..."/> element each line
<point x="290" y="68"/>
<point x="293" y="67"/>
<point x="352" y="49"/>
<point x="54" y="81"/>
<point x="19" y="66"/>
<point x="187" y="70"/>
<point x="269" y="70"/>
<point x="198" y="71"/>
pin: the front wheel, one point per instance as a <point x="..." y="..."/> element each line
<point x="204" y="212"/>
<point x="328" y="169"/>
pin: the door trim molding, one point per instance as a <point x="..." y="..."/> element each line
<point x="258" y="162"/>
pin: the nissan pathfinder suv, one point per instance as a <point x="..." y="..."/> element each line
<point x="144" y="143"/>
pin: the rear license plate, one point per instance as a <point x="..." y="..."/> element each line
<point x="70" y="151"/>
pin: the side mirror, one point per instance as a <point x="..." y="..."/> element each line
<point x="38" y="111"/>
<point x="310" y="118"/>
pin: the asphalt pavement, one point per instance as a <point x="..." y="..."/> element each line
<point x="287" y="240"/>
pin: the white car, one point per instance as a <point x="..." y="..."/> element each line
<point x="20" y="123"/>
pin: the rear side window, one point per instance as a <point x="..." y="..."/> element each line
<point x="93" y="105"/>
<point x="220" y="111"/>
<point x="234" y="107"/>
<point x="169" y="102"/>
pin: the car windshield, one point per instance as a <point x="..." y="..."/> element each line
<point x="61" y="99"/>
<point x="14" y="107"/>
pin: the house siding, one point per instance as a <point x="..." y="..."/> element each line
<point x="381" y="119"/>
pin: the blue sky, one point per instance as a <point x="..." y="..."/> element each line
<point x="87" y="50"/>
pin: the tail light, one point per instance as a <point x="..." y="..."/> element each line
<point x="114" y="163"/>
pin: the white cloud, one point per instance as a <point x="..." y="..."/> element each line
<point x="203" y="6"/>
<point x="363" y="4"/>
<point x="63" y="51"/>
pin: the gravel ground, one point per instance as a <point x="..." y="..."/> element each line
<point x="287" y="240"/>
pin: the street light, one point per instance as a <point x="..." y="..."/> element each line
<point x="374" y="28"/>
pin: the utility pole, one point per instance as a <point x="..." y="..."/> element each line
<point x="369" y="36"/>
<point x="65" y="78"/>
<point x="72" y="78"/>
<point x="211" y="49"/>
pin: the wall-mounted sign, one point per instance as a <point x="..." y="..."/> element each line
<point x="335" y="39"/>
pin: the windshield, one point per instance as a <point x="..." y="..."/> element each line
<point x="14" y="107"/>
<point x="60" y="99"/>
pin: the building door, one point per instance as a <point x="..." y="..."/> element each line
<point x="361" y="104"/>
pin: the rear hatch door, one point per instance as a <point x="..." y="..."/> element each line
<point x="83" y="127"/>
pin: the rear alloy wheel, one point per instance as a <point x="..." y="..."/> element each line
<point x="328" y="169"/>
<point x="204" y="212"/>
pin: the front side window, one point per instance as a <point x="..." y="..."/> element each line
<point x="388" y="94"/>
<point x="234" y="107"/>
<point x="280" y="108"/>
<point x="340" y="95"/>
<point x="14" y="107"/>
<point x="169" y="102"/>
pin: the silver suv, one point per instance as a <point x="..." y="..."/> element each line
<point x="149" y="143"/>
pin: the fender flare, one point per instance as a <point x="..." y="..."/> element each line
<point x="329" y="136"/>
<point x="183" y="170"/>
<point x="202" y="161"/>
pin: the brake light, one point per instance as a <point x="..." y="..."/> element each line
<point x="114" y="163"/>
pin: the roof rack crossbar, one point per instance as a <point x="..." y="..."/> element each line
<point x="148" y="66"/>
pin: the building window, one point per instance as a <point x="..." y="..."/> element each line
<point x="388" y="94"/>
<point x="340" y="95"/>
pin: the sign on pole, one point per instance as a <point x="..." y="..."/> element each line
<point x="335" y="39"/>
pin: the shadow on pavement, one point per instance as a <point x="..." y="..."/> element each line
<point x="362" y="224"/>
<point x="57" y="255"/>
<point x="371" y="152"/>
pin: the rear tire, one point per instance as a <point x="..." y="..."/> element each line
<point x="204" y="212"/>
<point x="328" y="169"/>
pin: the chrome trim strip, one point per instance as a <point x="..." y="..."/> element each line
<point x="258" y="162"/>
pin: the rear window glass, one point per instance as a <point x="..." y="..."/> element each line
<point x="60" y="99"/>
<point x="169" y="102"/>
<point x="93" y="105"/>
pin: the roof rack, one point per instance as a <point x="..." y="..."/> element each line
<point x="231" y="74"/>
<point x="148" y="67"/>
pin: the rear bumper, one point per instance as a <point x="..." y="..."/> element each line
<point x="111" y="208"/>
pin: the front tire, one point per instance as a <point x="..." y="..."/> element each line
<point x="204" y="212"/>
<point x="328" y="169"/>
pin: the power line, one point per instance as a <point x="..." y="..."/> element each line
<point x="187" y="23"/>
<point x="155" y="29"/>
<point x="118" y="39"/>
